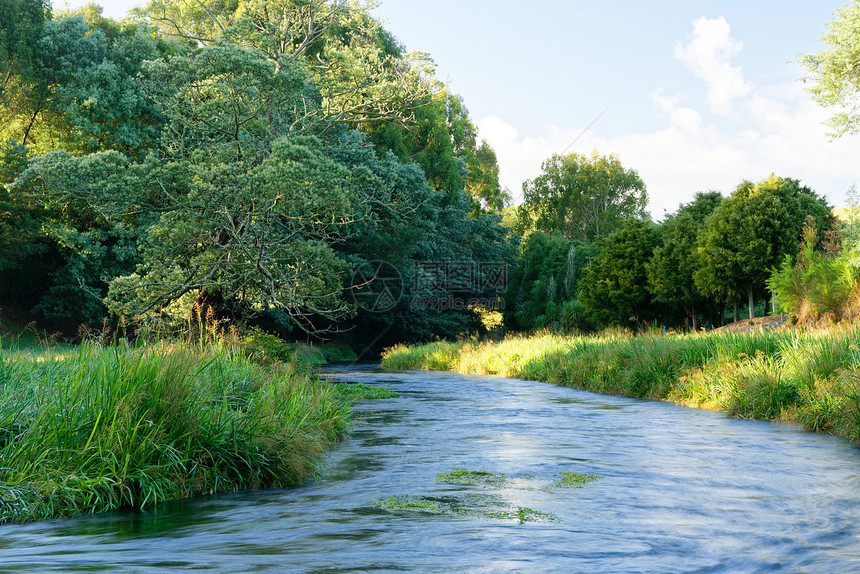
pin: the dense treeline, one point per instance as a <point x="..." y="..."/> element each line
<point x="592" y="258"/>
<point x="284" y="162"/>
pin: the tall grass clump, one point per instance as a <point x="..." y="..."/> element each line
<point x="808" y="377"/>
<point x="104" y="428"/>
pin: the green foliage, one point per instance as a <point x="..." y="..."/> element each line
<point x="21" y="83"/>
<point x="834" y="79"/>
<point x="675" y="260"/>
<point x="581" y="197"/>
<point x="819" y="282"/>
<point x="750" y="233"/>
<point x="545" y="282"/>
<point x="350" y="392"/>
<point x="66" y="196"/>
<point x="614" y="287"/>
<point x="226" y="170"/>
<point x="106" y="428"/>
<point x="258" y="235"/>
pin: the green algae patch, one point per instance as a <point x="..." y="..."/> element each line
<point x="362" y="391"/>
<point x="576" y="480"/>
<point x="476" y="477"/>
<point x="523" y="514"/>
<point x="479" y="506"/>
<point x="429" y="505"/>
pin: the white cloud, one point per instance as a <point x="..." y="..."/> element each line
<point x="782" y="133"/>
<point x="784" y="136"/>
<point x="708" y="55"/>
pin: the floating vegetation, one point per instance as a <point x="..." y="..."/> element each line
<point x="430" y="505"/>
<point x="486" y="506"/>
<point x="362" y="391"/>
<point x="576" y="480"/>
<point x="523" y="514"/>
<point x="479" y="477"/>
<point x="476" y="506"/>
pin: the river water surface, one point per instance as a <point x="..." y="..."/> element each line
<point x="680" y="490"/>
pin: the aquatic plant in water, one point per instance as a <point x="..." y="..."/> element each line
<point x="466" y="476"/>
<point x="362" y="391"/>
<point x="470" y="505"/>
<point x="576" y="480"/>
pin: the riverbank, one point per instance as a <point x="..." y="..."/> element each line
<point x="91" y="428"/>
<point x="808" y="377"/>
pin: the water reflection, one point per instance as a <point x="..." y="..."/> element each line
<point x="681" y="491"/>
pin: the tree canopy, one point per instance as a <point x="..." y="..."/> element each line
<point x="582" y="197"/>
<point x="834" y="76"/>
<point x="750" y="232"/>
<point x="230" y="158"/>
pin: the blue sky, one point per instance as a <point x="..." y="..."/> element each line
<point x="697" y="94"/>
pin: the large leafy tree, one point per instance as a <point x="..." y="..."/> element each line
<point x="239" y="178"/>
<point x="360" y="72"/>
<point x="21" y="83"/>
<point x="834" y="76"/>
<point x="614" y="289"/>
<point x="750" y="233"/>
<point x="81" y="89"/>
<point x="582" y="197"/>
<point x="671" y="269"/>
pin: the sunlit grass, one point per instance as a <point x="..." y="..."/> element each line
<point x="810" y="377"/>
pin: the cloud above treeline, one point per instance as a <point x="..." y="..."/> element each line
<point x="775" y="129"/>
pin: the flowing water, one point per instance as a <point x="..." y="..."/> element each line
<point x="680" y="490"/>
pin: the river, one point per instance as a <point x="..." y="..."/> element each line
<point x="675" y="490"/>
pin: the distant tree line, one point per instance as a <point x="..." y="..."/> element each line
<point x="592" y="257"/>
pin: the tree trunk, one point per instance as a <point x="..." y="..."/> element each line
<point x="752" y="302"/>
<point x="693" y="317"/>
<point x="737" y="312"/>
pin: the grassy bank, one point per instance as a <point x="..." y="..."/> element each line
<point x="812" y="378"/>
<point x="99" y="428"/>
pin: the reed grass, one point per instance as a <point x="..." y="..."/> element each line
<point x="102" y="428"/>
<point x="808" y="377"/>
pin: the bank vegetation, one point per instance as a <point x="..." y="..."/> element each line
<point x="811" y="377"/>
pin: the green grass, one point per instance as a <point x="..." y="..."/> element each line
<point x="810" y="377"/>
<point x="100" y="428"/>
<point x="362" y="391"/>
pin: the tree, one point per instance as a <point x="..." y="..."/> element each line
<point x="751" y="232"/>
<point x="614" y="288"/>
<point x="834" y="75"/>
<point x="671" y="269"/>
<point x="360" y="73"/>
<point x="69" y="212"/>
<point x="21" y="24"/>
<point x="582" y="197"/>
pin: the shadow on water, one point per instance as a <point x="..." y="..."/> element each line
<point x="651" y="487"/>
